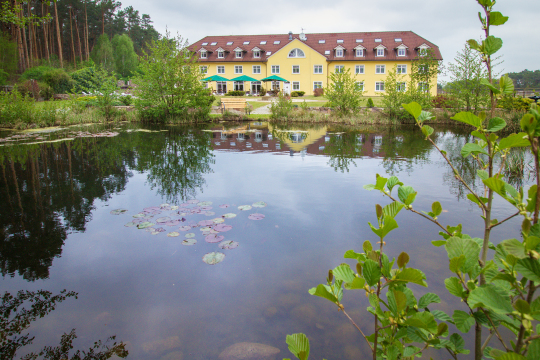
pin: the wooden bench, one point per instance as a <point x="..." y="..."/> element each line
<point x="233" y="103"/>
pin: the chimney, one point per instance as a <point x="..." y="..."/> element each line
<point x="290" y="35"/>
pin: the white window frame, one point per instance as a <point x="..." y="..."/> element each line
<point x="339" y="68"/>
<point x="204" y="55"/>
<point x="401" y="69"/>
<point x="317" y="84"/>
<point x="378" y="69"/>
<point x="236" y="85"/>
<point x="316" y="67"/>
<point x="204" y="69"/>
<point x="297" y="67"/>
<point x="359" y="69"/>
<point x="359" y="53"/>
<point x="221" y="67"/>
<point x="401" y="52"/>
<point x="238" y="67"/>
<point x="339" y="52"/>
<point x="275" y="69"/>
<point x="297" y="84"/>
<point x="256" y="54"/>
<point x="238" y="54"/>
<point x="295" y="55"/>
<point x="256" y="67"/>
<point x="380" y="52"/>
<point x="360" y="85"/>
<point x="221" y="54"/>
<point x="379" y="86"/>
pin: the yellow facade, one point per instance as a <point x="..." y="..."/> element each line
<point x="301" y="72"/>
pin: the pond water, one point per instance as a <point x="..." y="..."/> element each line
<point x="59" y="230"/>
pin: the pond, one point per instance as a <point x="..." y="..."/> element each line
<point x="124" y="216"/>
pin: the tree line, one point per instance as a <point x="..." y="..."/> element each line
<point x="64" y="32"/>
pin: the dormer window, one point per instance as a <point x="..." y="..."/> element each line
<point x="294" y="53"/>
<point x="359" y="40"/>
<point x="423" y="49"/>
<point x="401" y="52"/>
<point x="256" y="54"/>
<point x="238" y="54"/>
<point x="220" y="54"/>
<point x="204" y="54"/>
<point x="380" y="52"/>
<point x="339" y="52"/>
<point x="359" y="52"/>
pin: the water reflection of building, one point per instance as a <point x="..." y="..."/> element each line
<point x="264" y="137"/>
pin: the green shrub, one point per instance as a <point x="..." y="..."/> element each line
<point x="35" y="72"/>
<point x="514" y="103"/>
<point x="294" y="94"/>
<point x="27" y="88"/>
<point x="282" y="107"/>
<point x="370" y="103"/>
<point x="126" y="100"/>
<point x="318" y="92"/>
<point x="298" y="93"/>
<point x="236" y="93"/>
<point x="4" y="76"/>
<point x="58" y="80"/>
<point x="15" y="107"/>
<point x="86" y="80"/>
<point x="262" y="92"/>
<point x="45" y="91"/>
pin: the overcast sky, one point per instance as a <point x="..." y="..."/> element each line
<point x="446" y="23"/>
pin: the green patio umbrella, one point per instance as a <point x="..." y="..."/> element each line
<point x="274" y="78"/>
<point x="244" y="78"/>
<point x="215" y="78"/>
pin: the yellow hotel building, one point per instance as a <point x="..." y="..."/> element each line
<point x="306" y="60"/>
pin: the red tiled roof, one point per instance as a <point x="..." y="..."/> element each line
<point x="408" y="38"/>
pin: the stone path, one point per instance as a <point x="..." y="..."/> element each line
<point x="262" y="110"/>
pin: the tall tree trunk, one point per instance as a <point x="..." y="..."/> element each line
<point x="72" y="44"/>
<point x="30" y="53"/>
<point x="46" y="34"/>
<point x="86" y="21"/>
<point x="20" y="46"/>
<point x="58" y="35"/>
<point x="79" y="40"/>
<point x="25" y="44"/>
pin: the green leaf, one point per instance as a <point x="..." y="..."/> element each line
<point x="412" y="275"/>
<point x="506" y="85"/>
<point x="401" y="300"/>
<point x="514" y="247"/>
<point x="482" y="174"/>
<point x="496" y="18"/>
<point x="413" y="108"/>
<point x="406" y="194"/>
<point x="532" y="242"/>
<point x="492" y="297"/>
<point x="496" y="124"/>
<point x="492" y="87"/>
<point x="514" y="140"/>
<point x="531" y="204"/>
<point x="344" y="273"/>
<point x="392" y="352"/>
<point x="323" y="291"/>
<point x="392" y="209"/>
<point x="456" y="246"/>
<point x="403" y="259"/>
<point x="473" y="44"/>
<point x="530" y="268"/>
<point x="438" y="243"/>
<point x="423" y="320"/>
<point x="371" y="272"/>
<point x="351" y="254"/>
<point x="459" y="343"/>
<point x="298" y="345"/>
<point x="474" y="199"/>
<point x="366" y="246"/>
<point x="442" y="328"/>
<point x="436" y="208"/>
<point x="468" y="118"/>
<point x="380" y="182"/>
<point x="427" y="299"/>
<point x="472" y="148"/>
<point x="392" y="181"/>
<point x="441" y="315"/>
<point x="533" y="352"/>
<point x="457" y="263"/>
<point x="369" y="187"/>
<point x="463" y="321"/>
<point x="498" y="186"/>
<point x="510" y="356"/>
<point x="425" y="116"/>
<point x="453" y="285"/>
<point x="522" y="306"/>
<point x="357" y="283"/>
<point x="491" y="45"/>
<point x="427" y="130"/>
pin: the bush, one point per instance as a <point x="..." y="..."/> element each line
<point x="294" y="94"/>
<point x="297" y="93"/>
<point x="318" y="92"/>
<point x="15" y="107"/>
<point x="45" y="91"/>
<point x="4" y="76"/>
<point x="59" y="80"/>
<point x="236" y="93"/>
<point x="443" y="102"/>
<point x="282" y="107"/>
<point x="370" y="103"/>
<point x="126" y="100"/>
<point x="86" y="80"/>
<point x="35" y="72"/>
<point x="29" y="88"/>
<point x="262" y="92"/>
<point x="514" y="103"/>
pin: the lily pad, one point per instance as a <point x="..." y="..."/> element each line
<point x="174" y="207"/>
<point x="244" y="207"/>
<point x="184" y="228"/>
<point x="173" y="234"/>
<point x="256" y="216"/>
<point x="228" y="245"/>
<point x="206" y="228"/>
<point x="205" y="203"/>
<point x="130" y="224"/>
<point x="206" y="208"/>
<point x="152" y="208"/>
<point x="209" y="213"/>
<point x="150" y="229"/>
<point x="118" y="211"/>
<point x="206" y="222"/>
<point x="189" y="242"/>
<point x="140" y="215"/>
<point x="157" y="231"/>
<point x="163" y="205"/>
<point x="196" y="211"/>
<point x="163" y="219"/>
<point x="228" y="216"/>
<point x="259" y="204"/>
<point x="213" y="258"/>
<point x="192" y="201"/>
<point x="145" y="225"/>
<point x="222" y="227"/>
<point x="190" y="235"/>
<point x="224" y="206"/>
<point x="218" y="220"/>
<point x="184" y="205"/>
<point x="213" y="238"/>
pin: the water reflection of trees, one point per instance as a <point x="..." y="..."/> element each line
<point x="50" y="189"/>
<point x="343" y="148"/>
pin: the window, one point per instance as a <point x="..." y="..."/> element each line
<point x="238" y="69"/>
<point x="339" y="69"/>
<point x="203" y="54"/>
<point x="296" y="85"/>
<point x="359" y="40"/>
<point x="423" y="68"/>
<point x="256" y="54"/>
<point x="379" y="86"/>
<point x="221" y="69"/>
<point x="276" y="42"/>
<point x="380" y="69"/>
<point x="214" y="44"/>
<point x="339" y="52"/>
<point x="256" y="69"/>
<point x="401" y="52"/>
<point x="360" y="86"/>
<point x="422" y="86"/>
<point x="238" y="86"/>
<point x="422" y="52"/>
<point x="398" y="40"/>
<point x="296" y="53"/>
<point x="268" y="53"/>
<point x="401" y="69"/>
<point x="340" y="41"/>
<point x="401" y="86"/>
<point x="230" y="43"/>
<point x="326" y="52"/>
<point x="263" y="42"/>
<point x="220" y="54"/>
<point x="204" y="44"/>
<point x="317" y="85"/>
<point x="246" y="42"/>
<point x="296" y="69"/>
<point x="204" y="69"/>
<point x="238" y="54"/>
<point x="360" y="69"/>
<point x="378" y="40"/>
<point x="275" y="69"/>
<point x="359" y="52"/>
<point x="380" y="52"/>
<point x="322" y="41"/>
<point x="317" y="69"/>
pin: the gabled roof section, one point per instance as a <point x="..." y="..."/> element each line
<point x="410" y="38"/>
<point x="380" y="46"/>
<point x="203" y="50"/>
<point x="256" y="49"/>
<point x="220" y="49"/>
<point x="238" y="48"/>
<point x="401" y="46"/>
<point x="339" y="47"/>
